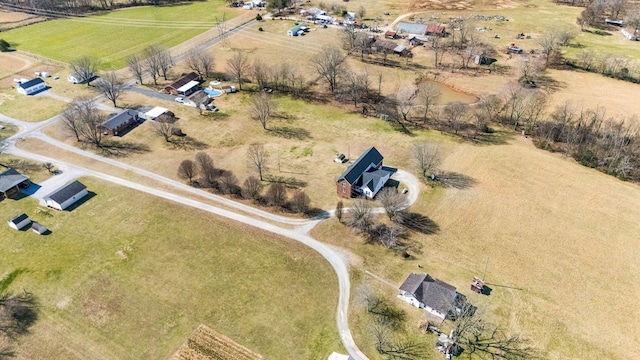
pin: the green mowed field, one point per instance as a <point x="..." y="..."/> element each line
<point x="113" y="36"/>
<point x="129" y="276"/>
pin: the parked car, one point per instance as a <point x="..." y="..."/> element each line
<point x="180" y="100"/>
<point x="212" y="107"/>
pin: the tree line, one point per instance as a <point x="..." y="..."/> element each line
<point x="61" y="8"/>
<point x="202" y="173"/>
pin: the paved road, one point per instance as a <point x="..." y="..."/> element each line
<point x="151" y="93"/>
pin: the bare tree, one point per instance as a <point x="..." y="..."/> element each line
<point x="48" y="166"/>
<point x="428" y="95"/>
<point x="362" y="11"/>
<point x="208" y="171"/>
<point x="478" y="337"/>
<point x="439" y="48"/>
<point x="85" y="67"/>
<point x="530" y="69"/>
<point x="252" y="188"/>
<point x="187" y="170"/>
<point x="406" y="100"/>
<point x="392" y="201"/>
<point x="82" y="119"/>
<point x="111" y="86"/>
<point x="165" y="61"/>
<point x="426" y="156"/>
<point x="358" y="85"/>
<point x="300" y="201"/>
<point x="152" y="62"/>
<point x="200" y="61"/>
<point x="339" y="210"/>
<point x="164" y="129"/>
<point x="261" y="108"/>
<point x="565" y="35"/>
<point x="389" y="236"/>
<point x="360" y="216"/>
<point x="258" y="159"/>
<point x="330" y="64"/>
<point x="261" y="73"/>
<point x="276" y="195"/>
<point x="71" y="119"/>
<point x="136" y="66"/>
<point x="349" y="38"/>
<point x="238" y="66"/>
<point x="228" y="183"/>
<point x="549" y="43"/>
<point x="456" y="113"/>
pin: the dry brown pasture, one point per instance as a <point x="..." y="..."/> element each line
<point x="560" y="242"/>
<point x="205" y="343"/>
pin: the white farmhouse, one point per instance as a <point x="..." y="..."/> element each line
<point x="435" y="296"/>
<point x="66" y="195"/>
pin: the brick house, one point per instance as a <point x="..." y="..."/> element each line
<point x="365" y="177"/>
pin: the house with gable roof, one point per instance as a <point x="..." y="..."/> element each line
<point x="433" y="295"/>
<point x="364" y="177"/>
<point x="31" y="87"/>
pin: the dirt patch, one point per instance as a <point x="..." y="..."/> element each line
<point x="63" y="303"/>
<point x="101" y="302"/>
<point x="11" y="20"/>
<point x="205" y="343"/>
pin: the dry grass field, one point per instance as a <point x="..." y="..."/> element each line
<point x="560" y="242"/>
<point x="205" y="343"/>
<point x="29" y="108"/>
<point x="125" y="281"/>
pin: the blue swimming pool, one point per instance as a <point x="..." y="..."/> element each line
<point x="213" y="92"/>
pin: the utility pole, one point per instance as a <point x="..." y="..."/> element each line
<point x="278" y="158"/>
<point x="485" y="268"/>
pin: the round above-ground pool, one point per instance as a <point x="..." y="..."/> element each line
<point x="213" y="92"/>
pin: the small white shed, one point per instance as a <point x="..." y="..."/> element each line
<point x="19" y="222"/>
<point x="66" y="195"/>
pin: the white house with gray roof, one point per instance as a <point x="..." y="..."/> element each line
<point x="66" y="196"/>
<point x="31" y="87"/>
<point x="432" y="295"/>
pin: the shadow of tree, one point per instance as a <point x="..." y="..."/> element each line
<point x="188" y="143"/>
<point x="216" y="115"/>
<point x="418" y="223"/>
<point x="455" y="180"/>
<point x="550" y="83"/>
<point x="123" y="148"/>
<point x="499" y="137"/>
<point x="290" y="182"/>
<point x="290" y="133"/>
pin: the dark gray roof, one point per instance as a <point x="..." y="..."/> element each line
<point x="434" y="293"/>
<point x="355" y="170"/>
<point x="120" y="119"/>
<point x="67" y="192"/>
<point x="11" y="178"/>
<point x="411" y="28"/>
<point x="373" y="178"/>
<point x="19" y="218"/>
<point x="30" y="83"/>
<point x="39" y="228"/>
<point x="184" y="80"/>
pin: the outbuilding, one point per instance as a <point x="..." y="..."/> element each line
<point x="11" y="181"/>
<point x="297" y="30"/>
<point x="66" y="195"/>
<point x="39" y="228"/>
<point x="19" y="222"/>
<point x="80" y="78"/>
<point x="31" y="87"/>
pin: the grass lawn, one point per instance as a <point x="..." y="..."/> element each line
<point x="113" y="36"/>
<point x="29" y="108"/>
<point x="129" y="282"/>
